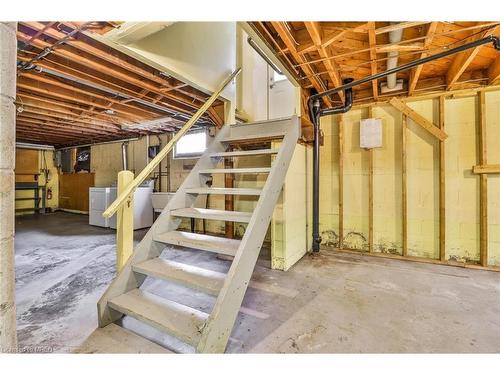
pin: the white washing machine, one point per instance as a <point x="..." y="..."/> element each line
<point x="101" y="198"/>
<point x="98" y="202"/>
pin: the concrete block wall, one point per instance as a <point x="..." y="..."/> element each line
<point x="462" y="186"/>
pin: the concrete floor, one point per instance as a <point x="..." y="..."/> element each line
<point x="334" y="302"/>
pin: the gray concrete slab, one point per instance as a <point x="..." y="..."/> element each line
<point x="331" y="303"/>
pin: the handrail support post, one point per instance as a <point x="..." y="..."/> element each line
<point x="124" y="222"/>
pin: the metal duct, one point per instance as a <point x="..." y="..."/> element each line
<point x="124" y="156"/>
<point x="392" y="61"/>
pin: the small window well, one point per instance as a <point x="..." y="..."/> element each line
<point x="191" y="145"/>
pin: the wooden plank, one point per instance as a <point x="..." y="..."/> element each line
<point x="228" y="199"/>
<point x="494" y="71"/>
<point x="442" y="185"/>
<point x="370" y="192"/>
<point x="483" y="183"/>
<point x="341" y="183"/>
<point x="404" y="181"/>
<point x="415" y="72"/>
<point x="74" y="191"/>
<point x="316" y="34"/>
<point x="463" y="59"/>
<point x="289" y="43"/>
<point x="26" y="162"/>
<point x="194" y="277"/>
<point x="372" y="40"/>
<point x="219" y="245"/>
<point x="212" y="214"/>
<point x="124" y="223"/>
<point x="418" y="119"/>
<point x="168" y="316"/>
<point x="224" y="191"/>
<point x="236" y="170"/>
<point x="486" y="169"/>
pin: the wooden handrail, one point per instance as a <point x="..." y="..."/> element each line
<point x="123" y="197"/>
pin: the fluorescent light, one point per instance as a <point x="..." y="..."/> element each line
<point x="159" y="123"/>
<point x="33" y="146"/>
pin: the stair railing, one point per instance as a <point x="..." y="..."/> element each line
<point x="126" y="190"/>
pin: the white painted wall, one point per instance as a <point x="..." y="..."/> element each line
<point x="257" y="97"/>
<point x="199" y="53"/>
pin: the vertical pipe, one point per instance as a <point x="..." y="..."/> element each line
<point x="315" y="228"/>
<point x="8" y="48"/>
<point x="124" y="156"/>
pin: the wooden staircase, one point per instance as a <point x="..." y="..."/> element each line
<point x="207" y="333"/>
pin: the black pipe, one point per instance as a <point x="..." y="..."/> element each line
<point x="315" y="113"/>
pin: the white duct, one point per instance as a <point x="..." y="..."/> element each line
<point x="392" y="61"/>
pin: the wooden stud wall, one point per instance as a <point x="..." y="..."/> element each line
<point x="482" y="169"/>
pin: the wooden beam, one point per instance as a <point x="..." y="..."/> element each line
<point x="372" y="40"/>
<point x="398" y="26"/>
<point x="415" y="72"/>
<point x="290" y="44"/>
<point x="463" y="59"/>
<point x="404" y="188"/>
<point x="400" y="47"/>
<point x="486" y="169"/>
<point x="419" y="119"/>
<point x="483" y="183"/>
<point x="315" y="32"/>
<point x="370" y="192"/>
<point x="494" y="71"/>
<point x="442" y="185"/>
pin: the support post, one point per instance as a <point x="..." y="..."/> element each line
<point x="8" y="48"/>
<point x="370" y="192"/>
<point x="124" y="222"/>
<point x="442" y="187"/>
<point x="483" y="183"/>
<point x="404" y="199"/>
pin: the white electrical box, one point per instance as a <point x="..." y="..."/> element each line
<point x="370" y="133"/>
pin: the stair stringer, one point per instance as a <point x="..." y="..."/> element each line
<point x="219" y="325"/>
<point x="147" y="248"/>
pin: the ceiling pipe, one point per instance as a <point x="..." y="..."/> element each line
<point x="395" y="36"/>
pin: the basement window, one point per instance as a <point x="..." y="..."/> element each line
<point x="191" y="145"/>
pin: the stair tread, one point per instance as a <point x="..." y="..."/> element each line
<point x="245" y="152"/>
<point x="198" y="241"/>
<point x="171" y="317"/>
<point x="195" y="277"/>
<point x="211" y="214"/>
<point x="236" y="170"/>
<point x="226" y="191"/>
<point x="246" y="137"/>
